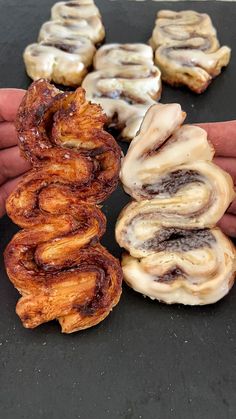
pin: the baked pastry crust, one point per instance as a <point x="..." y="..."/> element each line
<point x="187" y="50"/>
<point x="175" y="254"/>
<point x="125" y="84"/>
<point x="56" y="262"/>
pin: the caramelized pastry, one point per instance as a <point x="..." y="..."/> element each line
<point x="187" y="50"/>
<point x="176" y="254"/>
<point x="62" y="60"/>
<point x="126" y="89"/>
<point x="56" y="262"/>
<point x="65" y="47"/>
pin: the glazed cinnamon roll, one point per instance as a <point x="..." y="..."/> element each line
<point x="187" y="50"/>
<point x="120" y="55"/>
<point x="126" y="89"/>
<point x="69" y="11"/>
<point x="65" y="47"/>
<point x="56" y="262"/>
<point x="175" y="252"/>
<point x="62" y="60"/>
<point x="91" y="28"/>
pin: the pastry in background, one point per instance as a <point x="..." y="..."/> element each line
<point x="91" y="28"/>
<point x="125" y="83"/>
<point x="65" y="60"/>
<point x="56" y="261"/>
<point x="175" y="254"/>
<point x="66" y="44"/>
<point x="70" y="11"/>
<point x="187" y="50"/>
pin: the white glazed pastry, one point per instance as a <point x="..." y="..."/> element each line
<point x="187" y="50"/>
<point x="70" y="11"/>
<point x="175" y="254"/>
<point x="91" y="28"/>
<point x="63" y="61"/>
<point x="123" y="55"/>
<point x="125" y="84"/>
<point x="65" y="47"/>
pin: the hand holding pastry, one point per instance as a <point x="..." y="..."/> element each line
<point x="56" y="262"/>
<point x="223" y="137"/>
<point x="12" y="165"/>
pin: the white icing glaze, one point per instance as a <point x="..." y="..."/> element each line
<point x="73" y="10"/>
<point x="46" y="61"/>
<point x="163" y="148"/>
<point x="187" y="49"/>
<point x="210" y="273"/>
<point x="90" y="28"/>
<point x="123" y="54"/>
<point x="125" y="91"/>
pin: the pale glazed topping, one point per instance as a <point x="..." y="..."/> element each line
<point x="64" y="62"/>
<point x="68" y="11"/>
<point x="65" y="46"/>
<point x="91" y="28"/>
<point x="181" y="195"/>
<point x="201" y="276"/>
<point x="125" y="89"/>
<point x="187" y="49"/>
<point x="123" y="54"/>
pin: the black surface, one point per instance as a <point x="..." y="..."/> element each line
<point x="146" y="360"/>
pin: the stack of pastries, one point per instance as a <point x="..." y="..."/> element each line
<point x="174" y="251"/>
<point x="126" y="83"/>
<point x="56" y="262"/>
<point x="187" y="50"/>
<point x="66" y="44"/>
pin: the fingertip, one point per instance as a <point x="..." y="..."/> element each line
<point x="10" y="100"/>
<point x="228" y="225"/>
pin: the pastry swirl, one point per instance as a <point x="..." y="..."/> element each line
<point x="69" y="11"/>
<point x="126" y="88"/>
<point x="180" y="196"/>
<point x="63" y="60"/>
<point x="90" y="28"/>
<point x="56" y="262"/>
<point x="65" y="47"/>
<point x="187" y="50"/>
<point x="120" y="55"/>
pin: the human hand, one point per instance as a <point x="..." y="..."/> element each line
<point x="12" y="165"/>
<point x="223" y="137"/>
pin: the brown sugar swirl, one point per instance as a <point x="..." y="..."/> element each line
<point x="56" y="262"/>
<point x="174" y="251"/>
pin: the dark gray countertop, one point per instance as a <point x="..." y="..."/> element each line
<point x="146" y="360"/>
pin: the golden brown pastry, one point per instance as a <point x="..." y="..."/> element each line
<point x="176" y="255"/>
<point x="56" y="262"/>
<point x="187" y="50"/>
<point x="65" y="47"/>
<point x="125" y="84"/>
